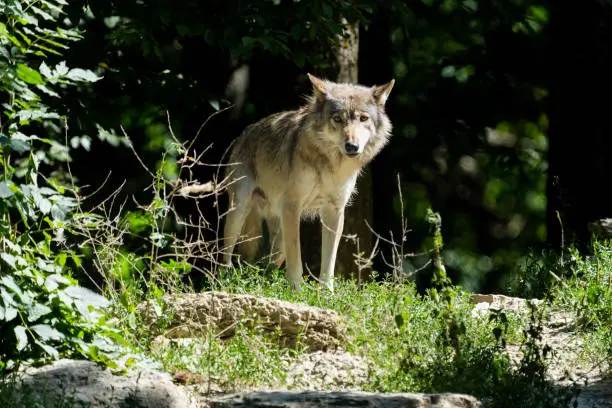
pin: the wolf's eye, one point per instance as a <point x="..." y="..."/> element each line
<point x="364" y="118"/>
<point x="337" y="118"/>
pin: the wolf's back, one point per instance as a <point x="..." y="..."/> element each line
<point x="270" y="141"/>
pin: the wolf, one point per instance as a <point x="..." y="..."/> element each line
<point x="303" y="163"/>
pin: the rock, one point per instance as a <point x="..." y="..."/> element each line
<point x="501" y="302"/>
<point x="597" y="395"/>
<point x="76" y="384"/>
<point x="313" y="399"/>
<point x="336" y="370"/>
<point x="602" y="227"/>
<point x="566" y="365"/>
<point x="191" y="314"/>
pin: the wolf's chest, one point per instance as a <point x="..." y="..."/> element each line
<point x="330" y="189"/>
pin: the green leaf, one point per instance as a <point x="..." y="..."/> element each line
<point x="21" y="336"/>
<point x="77" y="260"/>
<point x="54" y="281"/>
<point x="87" y="296"/>
<point x="248" y="41"/>
<point x="24" y="38"/>
<point x="28" y="75"/>
<point x="7" y="298"/>
<point x="47" y="91"/>
<point x="42" y="13"/>
<point x="4" y="32"/>
<point x="20" y="142"/>
<point x="5" y="191"/>
<point x="52" y="6"/>
<point x="130" y="362"/>
<point x="448" y="71"/>
<point x="47" y="191"/>
<point x="37" y="311"/>
<point x="83" y="141"/>
<point x="61" y="259"/>
<point x="78" y="74"/>
<point x="9" y="283"/>
<point x="4" y="140"/>
<point x="9" y="313"/>
<point x="47" y="332"/>
<point x="52" y="351"/>
<point x="470" y="5"/>
<point x="44" y="205"/>
<point x="39" y="200"/>
<point x="47" y="49"/>
<point x="58" y="212"/>
<point x="539" y="13"/>
<point x="61" y="69"/>
<point x="11" y="245"/>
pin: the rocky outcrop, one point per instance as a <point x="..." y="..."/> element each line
<point x="312" y="399"/>
<point x="332" y="370"/>
<point x="81" y="384"/>
<point x="566" y="367"/>
<point x="191" y="314"/>
<point x="485" y="302"/>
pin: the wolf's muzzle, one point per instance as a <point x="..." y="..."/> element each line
<point x="351" y="149"/>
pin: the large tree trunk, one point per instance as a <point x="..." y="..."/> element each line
<point x="579" y="130"/>
<point x="360" y="210"/>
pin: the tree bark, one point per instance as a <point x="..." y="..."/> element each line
<point x="579" y="131"/>
<point x="361" y="209"/>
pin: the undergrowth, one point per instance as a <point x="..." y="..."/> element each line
<point x="417" y="343"/>
<point x="580" y="284"/>
<point x="45" y="314"/>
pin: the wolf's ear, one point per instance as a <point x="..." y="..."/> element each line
<point x="381" y="92"/>
<point x="319" y="87"/>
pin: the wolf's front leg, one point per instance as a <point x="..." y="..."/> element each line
<point x="332" y="224"/>
<point x="291" y="237"/>
<point x="277" y="251"/>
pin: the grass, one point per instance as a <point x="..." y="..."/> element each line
<point x="587" y="293"/>
<point x="418" y="343"/>
<point x="415" y="343"/>
<point x="576" y="283"/>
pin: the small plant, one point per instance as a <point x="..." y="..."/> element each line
<point x="538" y="274"/>
<point x="470" y="356"/>
<point x="582" y="285"/>
<point x="44" y="313"/>
<point x="587" y="293"/>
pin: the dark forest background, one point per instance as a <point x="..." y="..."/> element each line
<point x="500" y="108"/>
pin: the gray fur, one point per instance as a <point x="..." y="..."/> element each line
<point x="294" y="164"/>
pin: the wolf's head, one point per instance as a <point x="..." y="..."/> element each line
<point x="351" y="115"/>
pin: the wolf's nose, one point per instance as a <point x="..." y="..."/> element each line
<point x="351" y="148"/>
